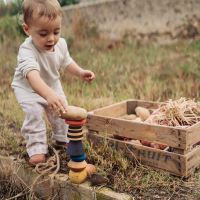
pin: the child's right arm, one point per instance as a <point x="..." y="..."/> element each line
<point x="55" y="102"/>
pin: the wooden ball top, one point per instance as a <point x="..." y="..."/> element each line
<point x="74" y="113"/>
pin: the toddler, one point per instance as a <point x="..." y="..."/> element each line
<point x="36" y="81"/>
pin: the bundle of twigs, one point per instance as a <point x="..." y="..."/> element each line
<point x="182" y="112"/>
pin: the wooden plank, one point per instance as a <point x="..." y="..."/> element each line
<point x="114" y="110"/>
<point x="173" y="163"/>
<point x="171" y="136"/>
<point x="193" y="135"/>
<point x="193" y="160"/>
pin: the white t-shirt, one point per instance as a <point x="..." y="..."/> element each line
<point x="47" y="63"/>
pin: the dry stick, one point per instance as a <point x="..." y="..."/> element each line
<point x="176" y="113"/>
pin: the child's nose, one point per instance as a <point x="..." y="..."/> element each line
<point x="51" y="38"/>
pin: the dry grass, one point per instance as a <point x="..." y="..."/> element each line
<point x="11" y="185"/>
<point x="141" y="181"/>
<point x="181" y="112"/>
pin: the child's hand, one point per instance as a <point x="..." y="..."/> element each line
<point x="56" y="103"/>
<point x="87" y="75"/>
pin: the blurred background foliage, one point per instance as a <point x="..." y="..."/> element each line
<point x="68" y="2"/>
<point x="14" y="6"/>
<point x="10" y="14"/>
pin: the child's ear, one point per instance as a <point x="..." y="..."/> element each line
<point x="25" y="28"/>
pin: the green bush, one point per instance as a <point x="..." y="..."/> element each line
<point x="11" y="9"/>
<point x="10" y="28"/>
<point x="16" y="6"/>
<point x="68" y="2"/>
<point x="3" y="9"/>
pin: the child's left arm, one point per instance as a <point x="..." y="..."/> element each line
<point x="86" y="75"/>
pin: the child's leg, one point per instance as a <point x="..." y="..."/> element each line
<point x="59" y="127"/>
<point x="34" y="131"/>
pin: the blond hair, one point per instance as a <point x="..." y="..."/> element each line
<point x="47" y="8"/>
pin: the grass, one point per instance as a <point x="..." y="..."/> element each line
<point x="128" y="70"/>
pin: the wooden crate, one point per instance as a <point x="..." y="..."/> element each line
<point x="183" y="157"/>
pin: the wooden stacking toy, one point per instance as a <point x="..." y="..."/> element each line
<point x="75" y="117"/>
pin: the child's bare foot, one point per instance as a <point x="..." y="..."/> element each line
<point x="38" y="158"/>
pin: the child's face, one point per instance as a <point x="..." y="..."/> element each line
<point x="45" y="33"/>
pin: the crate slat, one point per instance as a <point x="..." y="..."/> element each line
<point x="193" y="160"/>
<point x="171" y="162"/>
<point x="115" y="110"/>
<point x="136" y="130"/>
<point x="193" y="135"/>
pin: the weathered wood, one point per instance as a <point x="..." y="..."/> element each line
<point x="115" y="110"/>
<point x="173" y="163"/>
<point x="171" y="136"/>
<point x="193" y="135"/>
<point x="193" y="160"/>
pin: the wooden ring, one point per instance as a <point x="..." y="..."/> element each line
<point x="75" y="123"/>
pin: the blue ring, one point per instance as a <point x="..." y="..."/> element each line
<point x="78" y="158"/>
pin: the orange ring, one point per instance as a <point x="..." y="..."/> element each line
<point x="75" y="122"/>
